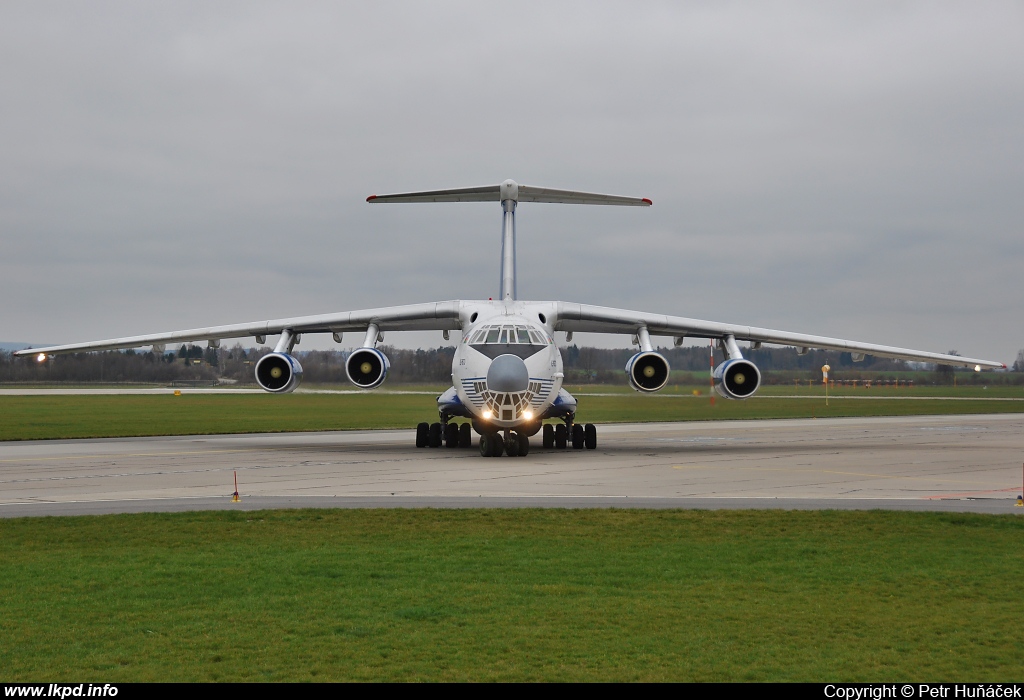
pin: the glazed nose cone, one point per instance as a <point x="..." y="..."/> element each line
<point x="507" y="373"/>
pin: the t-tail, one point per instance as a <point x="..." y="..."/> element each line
<point x="509" y="194"/>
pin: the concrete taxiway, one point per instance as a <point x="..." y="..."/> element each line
<point x="962" y="463"/>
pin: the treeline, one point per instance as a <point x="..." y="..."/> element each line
<point x="193" y="363"/>
<point x="582" y="365"/>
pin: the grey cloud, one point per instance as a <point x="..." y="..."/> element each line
<point x="850" y="169"/>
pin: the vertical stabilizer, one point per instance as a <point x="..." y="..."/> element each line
<point x="510" y="193"/>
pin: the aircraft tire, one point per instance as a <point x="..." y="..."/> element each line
<point x="465" y="435"/>
<point x="485" y="445"/>
<point x="451" y="436"/>
<point x="422" y="434"/>
<point x="548" y="436"/>
<point x="512" y="445"/>
<point x="497" y="444"/>
<point x="435" y="435"/>
<point x="590" y="436"/>
<point x="560" y="437"/>
<point x="577" y="436"/>
<point x="524" y="445"/>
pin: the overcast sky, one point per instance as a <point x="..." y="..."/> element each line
<point x="848" y="169"/>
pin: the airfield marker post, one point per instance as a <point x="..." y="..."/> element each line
<point x="1020" y="498"/>
<point x="235" y="498"/>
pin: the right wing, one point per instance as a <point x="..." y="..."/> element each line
<point x="441" y="315"/>
<point x="601" y="319"/>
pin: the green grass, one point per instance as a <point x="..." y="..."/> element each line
<point x="57" y="416"/>
<point x="512" y="595"/>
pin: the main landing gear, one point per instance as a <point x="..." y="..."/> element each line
<point x="511" y="443"/>
<point x="451" y="435"/>
<point x="558" y="436"/>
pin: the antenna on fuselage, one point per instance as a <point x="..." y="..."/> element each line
<point x="510" y="193"/>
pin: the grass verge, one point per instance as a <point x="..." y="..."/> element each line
<point x="512" y="595"/>
<point x="59" y="416"/>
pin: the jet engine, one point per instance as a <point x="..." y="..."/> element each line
<point x="278" y="373"/>
<point x="367" y="368"/>
<point x="737" y="379"/>
<point x="647" y="371"/>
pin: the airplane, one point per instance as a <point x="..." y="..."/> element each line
<point x="507" y="372"/>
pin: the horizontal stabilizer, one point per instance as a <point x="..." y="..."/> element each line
<point x="490" y="193"/>
<point x="510" y="190"/>
<point x="546" y="194"/>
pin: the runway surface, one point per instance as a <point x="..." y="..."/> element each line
<point x="959" y="463"/>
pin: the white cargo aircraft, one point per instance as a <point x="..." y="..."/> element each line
<point x="507" y="372"/>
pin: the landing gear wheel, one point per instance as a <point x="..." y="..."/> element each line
<point x="548" y="432"/>
<point x="560" y="436"/>
<point x="491" y="445"/>
<point x="465" y="435"/>
<point x="435" y="435"/>
<point x="577" y="436"/>
<point x="512" y="445"/>
<point x="422" y="434"/>
<point x="590" y="436"/>
<point x="451" y="436"/>
<point x="524" y="445"/>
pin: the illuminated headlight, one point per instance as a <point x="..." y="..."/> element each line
<point x="977" y="368"/>
<point x="527" y="415"/>
<point x="488" y="415"/>
<point x="41" y="357"/>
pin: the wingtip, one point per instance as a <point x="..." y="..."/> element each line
<point x="647" y="201"/>
<point x="371" y="198"/>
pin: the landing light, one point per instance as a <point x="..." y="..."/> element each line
<point x="488" y="415"/>
<point x="528" y="415"/>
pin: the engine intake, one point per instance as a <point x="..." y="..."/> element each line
<point x="278" y="373"/>
<point x="647" y="371"/>
<point x="737" y="379"/>
<point x="367" y="368"/>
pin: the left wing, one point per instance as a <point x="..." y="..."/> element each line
<point x="600" y="319"/>
<point x="441" y="315"/>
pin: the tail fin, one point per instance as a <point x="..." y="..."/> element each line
<point x="509" y="193"/>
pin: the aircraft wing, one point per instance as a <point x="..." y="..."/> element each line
<point x="600" y="319"/>
<point x="442" y="315"/>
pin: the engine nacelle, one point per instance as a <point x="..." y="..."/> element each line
<point x="647" y="371"/>
<point x="737" y="379"/>
<point x="367" y="368"/>
<point x="278" y="373"/>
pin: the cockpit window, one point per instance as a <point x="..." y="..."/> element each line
<point x="508" y="335"/>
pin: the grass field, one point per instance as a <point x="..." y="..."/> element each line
<point x="61" y="416"/>
<point x="512" y="595"/>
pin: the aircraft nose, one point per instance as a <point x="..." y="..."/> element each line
<point x="508" y="373"/>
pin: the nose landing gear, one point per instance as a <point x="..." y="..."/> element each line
<point x="513" y="444"/>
